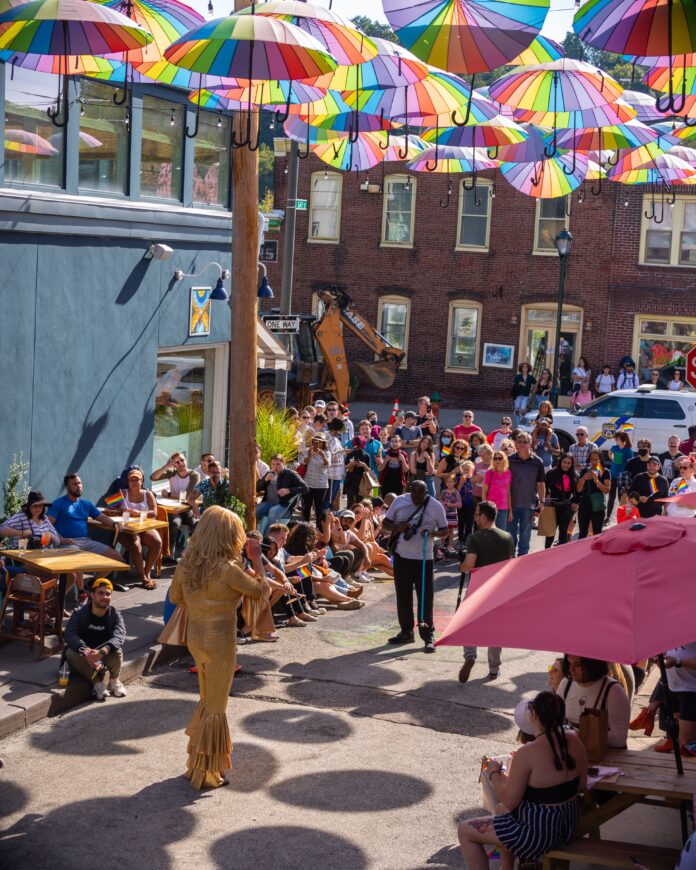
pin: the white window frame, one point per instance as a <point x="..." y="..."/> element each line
<point x="666" y="318"/>
<point x="463" y="303"/>
<point x="396" y="300"/>
<point x="325" y="240"/>
<point x="399" y="179"/>
<point x="485" y="184"/>
<point x="545" y="252"/>
<point x="676" y="230"/>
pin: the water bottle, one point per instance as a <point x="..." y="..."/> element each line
<point x="64" y="675"/>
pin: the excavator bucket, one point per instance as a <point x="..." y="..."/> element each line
<point x="381" y="373"/>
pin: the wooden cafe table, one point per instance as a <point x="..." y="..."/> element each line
<point x="134" y="526"/>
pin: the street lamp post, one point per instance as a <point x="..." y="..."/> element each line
<point x="563" y="243"/>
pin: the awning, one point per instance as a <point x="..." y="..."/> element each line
<point x="270" y="353"/>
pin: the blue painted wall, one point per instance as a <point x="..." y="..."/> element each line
<point x="81" y="319"/>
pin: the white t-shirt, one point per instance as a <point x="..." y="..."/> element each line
<point x="678" y="510"/>
<point x="618" y="706"/>
<point x="605" y="383"/>
<point x="434" y="518"/>
<point x="682" y="679"/>
<point x="178" y="484"/>
<point x="675" y="385"/>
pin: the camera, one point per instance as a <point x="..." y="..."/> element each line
<point x="409" y="533"/>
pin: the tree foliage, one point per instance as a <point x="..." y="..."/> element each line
<point x="374" y="28"/>
<point x="615" y="64"/>
<point x="266" y="159"/>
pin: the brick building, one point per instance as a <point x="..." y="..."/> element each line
<point x="469" y="289"/>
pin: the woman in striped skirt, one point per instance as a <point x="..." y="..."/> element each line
<point x="538" y="808"/>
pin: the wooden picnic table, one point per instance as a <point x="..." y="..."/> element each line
<point x="647" y="777"/>
<point x="173" y="506"/>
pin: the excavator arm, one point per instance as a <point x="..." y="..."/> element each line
<point x="339" y="310"/>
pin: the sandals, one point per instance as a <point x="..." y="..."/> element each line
<point x="151" y="584"/>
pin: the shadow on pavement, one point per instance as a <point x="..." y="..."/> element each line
<point x="297" y="726"/>
<point x="352" y="791"/>
<point x="14" y="798"/>
<point x="253" y="767"/>
<point x="291" y="847"/>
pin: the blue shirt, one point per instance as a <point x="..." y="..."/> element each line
<point x="372" y="448"/>
<point x="71" y="516"/>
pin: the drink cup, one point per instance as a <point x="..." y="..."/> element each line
<point x="182" y="497"/>
<point x="22" y="543"/>
<point x="45" y="540"/>
<point x="125" y="516"/>
<point x="64" y="675"/>
<point x="143" y="516"/>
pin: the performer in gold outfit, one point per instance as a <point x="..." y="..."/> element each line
<point x="210" y="580"/>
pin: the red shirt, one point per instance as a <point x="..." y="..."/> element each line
<point x="627" y="512"/>
<point x="466" y="432"/>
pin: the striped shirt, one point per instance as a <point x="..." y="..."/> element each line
<point x="22" y="523"/>
<point x="581" y="453"/>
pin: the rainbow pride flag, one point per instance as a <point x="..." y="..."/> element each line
<point x="626" y="427"/>
<point x="682" y="486"/>
<point x="304" y="571"/>
<point x="112" y="501"/>
<point x="445" y="451"/>
<point x="653" y="485"/>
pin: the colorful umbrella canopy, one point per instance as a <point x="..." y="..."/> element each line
<point x="68" y="28"/>
<point x="258" y="94"/>
<point x="629" y="135"/>
<point x="680" y="79"/>
<point x="393" y="67"/>
<point x="602" y="116"/>
<point x="24" y="142"/>
<point x="618" y="597"/>
<point x="548" y="178"/>
<point x="452" y="160"/>
<point x="664" y="169"/>
<point x="344" y="42"/>
<point x="489" y="134"/>
<point x="345" y="122"/>
<point x="86" y="139"/>
<point x="165" y="20"/>
<point x="531" y="150"/>
<point x="560" y="86"/>
<point x="595" y="171"/>
<point x="251" y="47"/>
<point x="644" y="155"/>
<point x="300" y="131"/>
<point x="542" y="50"/>
<point x="644" y="106"/>
<point x="467" y="36"/>
<point x="368" y="151"/>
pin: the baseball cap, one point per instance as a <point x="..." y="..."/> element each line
<point x="320" y="403"/>
<point x="102" y="581"/>
<point x="522" y="720"/>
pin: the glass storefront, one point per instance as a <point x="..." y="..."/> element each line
<point x="103" y="140"/>
<point x="162" y="148"/>
<point x="662" y="343"/>
<point x="183" y="404"/>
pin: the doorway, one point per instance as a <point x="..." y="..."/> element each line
<point x="539" y="324"/>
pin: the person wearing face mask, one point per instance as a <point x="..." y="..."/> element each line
<point x="393" y="468"/>
<point x="639" y="463"/>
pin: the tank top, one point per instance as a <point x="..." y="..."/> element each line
<point x="136" y="506"/>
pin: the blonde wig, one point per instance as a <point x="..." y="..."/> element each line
<point x="219" y="538"/>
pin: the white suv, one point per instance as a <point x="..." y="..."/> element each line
<point x="645" y="412"/>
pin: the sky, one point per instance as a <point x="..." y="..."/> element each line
<point x="558" y="21"/>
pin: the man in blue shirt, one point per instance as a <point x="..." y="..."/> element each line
<point x="69" y="515"/>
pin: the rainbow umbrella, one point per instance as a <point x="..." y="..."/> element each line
<point x="345" y="122"/>
<point x="258" y="94"/>
<point x="629" y="135"/>
<point x="595" y="171"/>
<point x="489" y="134"/>
<point x="24" y="142"/>
<point x="602" y="116"/>
<point x="343" y="41"/>
<point x="670" y="79"/>
<point x="301" y="131"/>
<point x="367" y="152"/>
<point x="452" y="160"/>
<point x="542" y="50"/>
<point x="530" y="150"/>
<point x="392" y="67"/>
<point x="665" y="169"/>
<point x="467" y="36"/>
<point x="86" y="139"/>
<point x="549" y="178"/>
<point x="644" y="106"/>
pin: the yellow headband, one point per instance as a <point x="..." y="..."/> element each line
<point x="102" y="581"/>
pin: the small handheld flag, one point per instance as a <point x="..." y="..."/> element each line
<point x="682" y="486"/>
<point x="445" y="451"/>
<point x="304" y="571"/>
<point x="115" y="500"/>
<point x="653" y="485"/>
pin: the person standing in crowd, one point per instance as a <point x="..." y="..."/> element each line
<point x="580" y="373"/>
<point x="639" y="464"/>
<point x="580" y="451"/>
<point x="488" y="545"/>
<point x="465" y="512"/>
<point x="621" y="454"/>
<point x="373" y="448"/>
<point x="467" y="427"/>
<point x="593" y="485"/>
<point x="683" y="482"/>
<point x="543" y="387"/>
<point x="561" y="494"/>
<point x="393" y="468"/>
<point x="410" y="517"/>
<point x="605" y="382"/>
<point x="676" y="383"/>
<point x="426" y="420"/>
<point x="650" y="486"/>
<point x="582" y="396"/>
<point x="497" y="436"/>
<point x="409" y="433"/>
<point x="670" y="458"/>
<point x="527" y="486"/>
<point x="357" y="463"/>
<point x="545" y="442"/>
<point x="344" y="416"/>
<point x="452" y="460"/>
<point x="422" y="463"/>
<point x="484" y="462"/>
<point x="373" y="420"/>
<point x="681" y="678"/>
<point x="451" y="501"/>
<point x="628" y="379"/>
<point x="337" y="466"/>
<point x="497" y="483"/>
<point x="521" y="388"/>
<point x="687" y="446"/>
<point x="316" y="477"/>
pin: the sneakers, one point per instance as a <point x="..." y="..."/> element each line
<point x="355" y="591"/>
<point x="402" y="637"/>
<point x="99" y="691"/>
<point x="364" y="577"/>
<point x="429" y="646"/>
<point x="117" y="689"/>
<point x="466" y="669"/>
<point x="353" y="604"/>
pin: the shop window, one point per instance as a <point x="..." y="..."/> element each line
<point x="672" y="242"/>
<point x="474" y="216"/>
<point x="104" y="140"/>
<point x="551" y="218"/>
<point x="325" y="207"/>
<point x="33" y="148"/>
<point x="399" y="211"/>
<point x="211" y="162"/>
<point x="393" y="316"/>
<point x="162" y="148"/>
<point x="183" y="404"/>
<point x="463" y="336"/>
<point x="662" y="342"/>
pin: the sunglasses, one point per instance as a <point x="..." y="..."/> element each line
<point x="581" y="434"/>
<point x="498" y="458"/>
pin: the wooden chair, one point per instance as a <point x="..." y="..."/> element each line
<point x="36" y="611"/>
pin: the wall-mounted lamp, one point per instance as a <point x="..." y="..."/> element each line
<point x="588" y="325"/>
<point x="219" y="293"/>
<point x="265" y="290"/>
<point x="514" y="320"/>
<point x="158" y="251"/>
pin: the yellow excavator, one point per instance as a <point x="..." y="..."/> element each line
<point x="320" y="367"/>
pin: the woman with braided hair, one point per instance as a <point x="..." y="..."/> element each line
<point x="538" y="808"/>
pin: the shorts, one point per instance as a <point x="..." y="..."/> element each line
<point x="685" y="705"/>
<point x="92" y="546"/>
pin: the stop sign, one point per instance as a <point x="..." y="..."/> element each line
<point x="690" y="374"/>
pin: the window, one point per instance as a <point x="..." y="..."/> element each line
<point x="325" y="207"/>
<point x="673" y="241"/>
<point x="162" y="148"/>
<point x="463" y="336"/>
<point x="660" y="343"/>
<point x="393" y="316"/>
<point x="551" y="218"/>
<point x="211" y="164"/>
<point x="104" y="140"/>
<point x="661" y="409"/>
<point x="611" y="406"/>
<point x="399" y="208"/>
<point x="33" y="146"/>
<point x="474" y="217"/>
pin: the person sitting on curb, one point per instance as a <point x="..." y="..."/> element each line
<point x="94" y="638"/>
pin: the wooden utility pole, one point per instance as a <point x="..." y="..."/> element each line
<point x="242" y="369"/>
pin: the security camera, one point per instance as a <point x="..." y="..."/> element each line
<point x="159" y="251"/>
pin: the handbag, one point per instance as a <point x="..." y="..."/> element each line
<point x="593" y="727"/>
<point x="301" y="469"/>
<point x="597" y="502"/>
<point x="394" y="537"/>
<point x="546" y="525"/>
<point x="174" y="632"/>
<point x="367" y="484"/>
